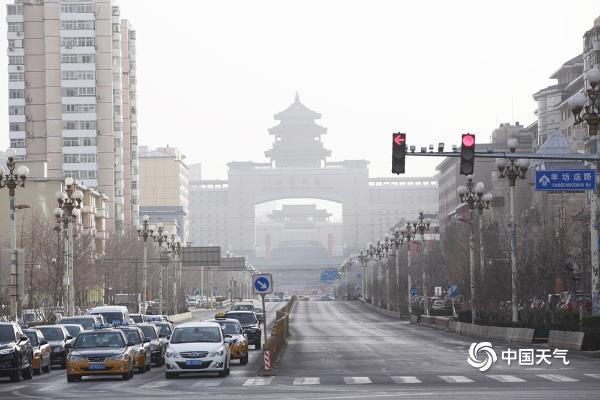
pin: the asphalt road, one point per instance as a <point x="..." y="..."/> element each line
<point x="339" y="350"/>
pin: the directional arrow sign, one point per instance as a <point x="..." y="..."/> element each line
<point x="262" y="283"/>
<point x="399" y="139"/>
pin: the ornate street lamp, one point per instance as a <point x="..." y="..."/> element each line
<point x="161" y="237"/>
<point x="67" y="214"/>
<point x="586" y="108"/>
<point x="145" y="231"/>
<point x="11" y="180"/>
<point x="174" y="246"/>
<point x="473" y="195"/>
<point x="512" y="169"/>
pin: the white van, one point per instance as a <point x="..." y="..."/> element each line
<point x="113" y="315"/>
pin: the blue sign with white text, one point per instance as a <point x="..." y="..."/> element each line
<point x="413" y="291"/>
<point x="565" y="180"/>
<point x="453" y="291"/>
<point x="329" y="275"/>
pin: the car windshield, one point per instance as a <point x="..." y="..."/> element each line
<point x="137" y="319"/>
<point x="230" y="328"/>
<point x="243" y="307"/>
<point x="32" y="338"/>
<point x="111" y="317"/>
<point x="87" y="323"/>
<point x="149" y="331"/>
<point x="164" y="329"/>
<point x="7" y="334"/>
<point x="52" y="333"/>
<point x="133" y="336"/>
<point x="73" y="330"/>
<point x="244" y="318"/>
<point x="99" y="339"/>
<point x="195" y="334"/>
<point x="258" y="310"/>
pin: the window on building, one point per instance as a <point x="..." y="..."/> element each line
<point x="17" y="143"/>
<point x="77" y="8"/>
<point x="15" y="27"/>
<point x="78" y="25"/>
<point x="70" y="158"/>
<point x="16" y="77"/>
<point x="71" y="141"/>
<point x="17" y="126"/>
<point x="134" y="140"/>
<point x="87" y="174"/>
<point x="71" y="173"/>
<point x="15" y="60"/>
<point x="16" y="94"/>
<point x="89" y="141"/>
<point x="87" y="158"/>
<point x="16" y="110"/>
<point x="14" y="9"/>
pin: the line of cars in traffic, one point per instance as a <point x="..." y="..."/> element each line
<point x="110" y="341"/>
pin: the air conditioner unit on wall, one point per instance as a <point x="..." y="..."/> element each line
<point x="19" y="68"/>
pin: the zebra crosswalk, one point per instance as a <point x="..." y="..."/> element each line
<point x="157" y="386"/>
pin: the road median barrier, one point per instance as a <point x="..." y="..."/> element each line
<point x="277" y="342"/>
<point x="565" y="339"/>
<point x="180" y="317"/>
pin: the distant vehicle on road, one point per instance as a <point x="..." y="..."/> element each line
<point x="87" y="321"/>
<point x="73" y="329"/>
<point x="114" y="315"/>
<point x="250" y="324"/>
<point x="41" y="351"/>
<point x="157" y="346"/>
<point x="59" y="338"/>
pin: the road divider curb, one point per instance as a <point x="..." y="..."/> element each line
<point x="565" y="339"/>
<point x="277" y="342"/>
<point x="387" y="313"/>
<point x="180" y="317"/>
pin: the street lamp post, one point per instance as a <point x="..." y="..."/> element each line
<point x="408" y="233"/>
<point x="161" y="237"/>
<point x="396" y="242"/>
<point x="67" y="213"/>
<point x="422" y="225"/>
<point x="12" y="180"/>
<point x="363" y="259"/>
<point x="174" y="245"/>
<point x="586" y="107"/>
<point x="145" y="231"/>
<point x="473" y="195"/>
<point x="512" y="169"/>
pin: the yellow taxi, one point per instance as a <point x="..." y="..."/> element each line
<point x="141" y="349"/>
<point x="234" y="335"/>
<point x="41" y="351"/>
<point x="100" y="352"/>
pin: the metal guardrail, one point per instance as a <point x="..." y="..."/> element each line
<point x="280" y="332"/>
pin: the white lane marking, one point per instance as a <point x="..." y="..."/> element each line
<point x="456" y="379"/>
<point x="406" y="379"/>
<point x="357" y="380"/>
<point x="208" y="382"/>
<point x="155" y="384"/>
<point x="505" y="378"/>
<point x="596" y="376"/>
<point x="258" y="381"/>
<point x="307" y="381"/>
<point x="558" y="378"/>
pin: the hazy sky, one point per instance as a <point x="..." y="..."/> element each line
<point x="211" y="74"/>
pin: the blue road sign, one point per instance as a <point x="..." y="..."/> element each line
<point x="328" y="275"/>
<point x="263" y="283"/>
<point x="453" y="291"/>
<point x="565" y="180"/>
<point x="413" y="291"/>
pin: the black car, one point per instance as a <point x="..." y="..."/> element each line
<point x="87" y="321"/>
<point x="58" y="337"/>
<point x="250" y="325"/>
<point x="16" y="353"/>
<point x="157" y="347"/>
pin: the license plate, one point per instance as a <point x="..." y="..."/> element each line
<point x="193" y="362"/>
<point x="96" y="366"/>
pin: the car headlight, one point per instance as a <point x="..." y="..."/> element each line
<point x="217" y="353"/>
<point x="118" y="357"/>
<point x="7" y="351"/>
<point x="153" y="346"/>
<point x="171" y="354"/>
<point x="75" y="357"/>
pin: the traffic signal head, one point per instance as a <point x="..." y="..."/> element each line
<point x="398" y="152"/>
<point x="467" y="154"/>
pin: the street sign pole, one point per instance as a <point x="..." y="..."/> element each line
<point x="263" y="284"/>
<point x="262" y="297"/>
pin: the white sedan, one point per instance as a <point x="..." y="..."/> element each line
<point x="198" y="347"/>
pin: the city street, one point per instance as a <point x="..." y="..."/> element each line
<point x="341" y="350"/>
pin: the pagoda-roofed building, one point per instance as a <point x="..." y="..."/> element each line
<point x="297" y="138"/>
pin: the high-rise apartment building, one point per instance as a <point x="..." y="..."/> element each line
<point x="72" y="96"/>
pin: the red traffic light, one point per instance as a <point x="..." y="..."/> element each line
<point x="468" y="140"/>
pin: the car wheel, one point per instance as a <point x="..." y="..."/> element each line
<point x="142" y="370"/>
<point x="171" y="375"/>
<point x="70" y="378"/>
<point x="244" y="360"/>
<point x="37" y="371"/>
<point x="126" y="376"/>
<point x="27" y="373"/>
<point x="131" y="373"/>
<point x="257" y="345"/>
